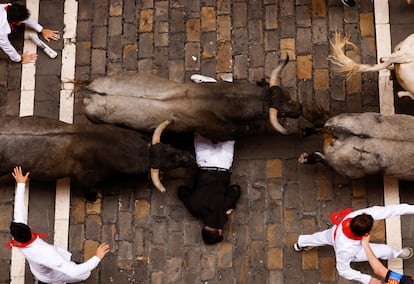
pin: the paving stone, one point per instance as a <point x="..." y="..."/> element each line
<point x="271" y="21"/>
<point x="208" y="19"/>
<point x="207" y="266"/>
<point x="275" y="258"/>
<point x="304" y="65"/>
<point x="125" y="230"/>
<point x="319" y="31"/>
<point x="239" y="15"/>
<point x="288" y="29"/>
<point x="328" y="272"/>
<point x="319" y="8"/>
<point x="223" y="28"/>
<point x="92" y="227"/>
<point x="99" y="36"/>
<point x="367" y="24"/>
<point x="174" y="270"/>
<point x="303" y="16"/>
<point x="192" y="57"/>
<point x="240" y="46"/>
<point x="193" y="29"/>
<point x="304" y="41"/>
<point x="146" y="19"/>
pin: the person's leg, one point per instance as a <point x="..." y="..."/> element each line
<point x="317" y="239"/>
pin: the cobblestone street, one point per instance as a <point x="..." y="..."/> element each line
<point x="152" y="236"/>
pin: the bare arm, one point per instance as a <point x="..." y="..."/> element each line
<point x="374" y="262"/>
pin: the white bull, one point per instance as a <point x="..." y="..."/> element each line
<point x="361" y="144"/>
<point x="402" y="60"/>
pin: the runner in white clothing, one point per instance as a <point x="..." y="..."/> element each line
<point x="48" y="263"/>
<point x="346" y="235"/>
<point x="11" y="16"/>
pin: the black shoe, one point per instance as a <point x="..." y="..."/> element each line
<point x="297" y="247"/>
<point x="348" y="3"/>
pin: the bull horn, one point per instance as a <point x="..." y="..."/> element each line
<point x="155" y="178"/>
<point x="275" y="122"/>
<point x="156" y="138"/>
<point x="274" y="76"/>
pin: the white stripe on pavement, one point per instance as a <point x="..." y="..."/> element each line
<point x="386" y="96"/>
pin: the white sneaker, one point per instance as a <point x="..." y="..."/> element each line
<point x="196" y="78"/>
<point x="228" y="77"/>
<point x="406" y="253"/>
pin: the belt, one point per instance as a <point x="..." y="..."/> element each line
<point x="213" y="169"/>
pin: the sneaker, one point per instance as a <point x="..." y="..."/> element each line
<point x="348" y="3"/>
<point x="297" y="247"/>
<point x="197" y="78"/>
<point x="406" y="253"/>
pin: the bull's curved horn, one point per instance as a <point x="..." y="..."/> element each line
<point x="274" y="76"/>
<point x="155" y="178"/>
<point x="274" y="122"/>
<point x="156" y="138"/>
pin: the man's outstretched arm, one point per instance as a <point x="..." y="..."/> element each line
<point x="19" y="205"/>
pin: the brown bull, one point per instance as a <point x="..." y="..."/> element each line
<point x="88" y="154"/>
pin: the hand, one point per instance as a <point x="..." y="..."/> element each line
<point x="18" y="175"/>
<point x="102" y="250"/>
<point x="49" y="34"/>
<point x="28" y="57"/>
<point x="365" y="239"/>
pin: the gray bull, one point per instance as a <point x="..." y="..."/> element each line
<point x="88" y="154"/>
<point x="218" y="111"/>
<point x="363" y="144"/>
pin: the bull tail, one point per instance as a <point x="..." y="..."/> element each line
<point x="346" y="64"/>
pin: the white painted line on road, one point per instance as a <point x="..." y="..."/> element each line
<point x="62" y="205"/>
<point x="386" y="98"/>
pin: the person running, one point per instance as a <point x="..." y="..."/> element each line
<point x="48" y="263"/>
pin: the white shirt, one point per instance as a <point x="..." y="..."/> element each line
<point x="346" y="249"/>
<point x="5" y="30"/>
<point x="49" y="263"/>
<point x="209" y="154"/>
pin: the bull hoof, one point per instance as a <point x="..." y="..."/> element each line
<point x="90" y="196"/>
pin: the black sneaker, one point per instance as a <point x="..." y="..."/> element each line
<point x="348" y="3"/>
<point x="297" y="247"/>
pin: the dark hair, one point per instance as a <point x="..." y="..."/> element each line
<point x="362" y="224"/>
<point x="20" y="232"/>
<point x="211" y="236"/>
<point x="17" y="12"/>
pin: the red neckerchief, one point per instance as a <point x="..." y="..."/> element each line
<point x="14" y="243"/>
<point x="10" y="24"/>
<point x="337" y="218"/>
